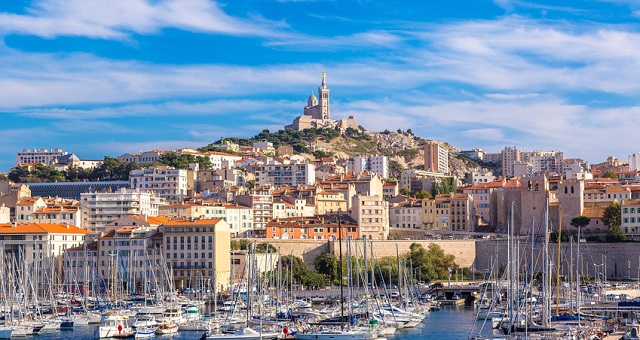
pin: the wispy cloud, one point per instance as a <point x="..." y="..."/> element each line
<point x="118" y="19"/>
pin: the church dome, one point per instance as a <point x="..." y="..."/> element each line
<point x="312" y="101"/>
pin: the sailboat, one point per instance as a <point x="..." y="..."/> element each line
<point x="337" y="334"/>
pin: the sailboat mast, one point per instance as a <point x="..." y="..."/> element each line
<point x="558" y="266"/>
<point x="341" y="286"/>
<point x="546" y="276"/>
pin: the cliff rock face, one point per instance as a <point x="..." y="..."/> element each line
<point x="405" y="151"/>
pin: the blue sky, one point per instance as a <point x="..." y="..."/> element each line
<point x="108" y="77"/>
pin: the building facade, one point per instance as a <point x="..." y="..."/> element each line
<point x="166" y="182"/>
<point x="436" y="157"/>
<point x="98" y="209"/>
<point x="198" y="250"/>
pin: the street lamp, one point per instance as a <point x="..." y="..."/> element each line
<point x="449" y="278"/>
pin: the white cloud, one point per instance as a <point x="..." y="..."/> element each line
<point x="116" y="19"/>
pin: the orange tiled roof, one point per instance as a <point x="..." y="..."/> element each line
<point x="194" y="222"/>
<point x="41" y="228"/>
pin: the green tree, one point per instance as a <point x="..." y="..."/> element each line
<point x="609" y="174"/>
<point x="613" y="220"/>
<point x="264" y="248"/>
<point x="580" y="221"/>
<point x="251" y="184"/>
<point x="328" y="264"/>
<point x="431" y="263"/>
<point x="422" y="194"/>
<point x="240" y="244"/>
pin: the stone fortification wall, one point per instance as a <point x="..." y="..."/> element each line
<point x="463" y="250"/>
<point x="621" y="258"/>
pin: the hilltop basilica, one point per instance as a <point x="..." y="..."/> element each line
<point x="317" y="113"/>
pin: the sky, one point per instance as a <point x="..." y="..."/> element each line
<point x="103" y="78"/>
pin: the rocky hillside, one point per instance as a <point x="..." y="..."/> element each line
<point x="404" y="150"/>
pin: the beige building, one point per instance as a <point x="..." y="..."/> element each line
<point x="59" y="214"/>
<point x="189" y="210"/>
<point x="630" y="218"/>
<point x="198" y="250"/>
<point x="406" y="215"/>
<point x="26" y="207"/>
<point x="372" y="216"/>
<point x="31" y="241"/>
<point x="126" y="255"/>
<point x="330" y="202"/>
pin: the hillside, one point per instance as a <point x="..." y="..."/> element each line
<point x="404" y="151"/>
<point x="403" y="148"/>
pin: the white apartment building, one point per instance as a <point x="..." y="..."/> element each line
<point x="221" y="160"/>
<point x="98" y="209"/>
<point x="143" y="157"/>
<point x="240" y="219"/>
<point x="285" y="174"/>
<point x="544" y="161"/>
<point x="510" y="155"/>
<point x="371" y="213"/>
<point x="477" y="154"/>
<point x="634" y="161"/>
<point x="260" y="199"/>
<point x="166" y="182"/>
<point x="480" y="176"/>
<point x="44" y="156"/>
<point x="376" y="164"/>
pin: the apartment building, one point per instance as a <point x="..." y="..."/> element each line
<point x="510" y="155"/>
<point x="42" y="156"/>
<point x="31" y="241"/>
<point x="329" y="201"/>
<point x="166" y="182"/>
<point x="480" y="176"/>
<point x="376" y="163"/>
<point x="198" y="250"/>
<point x="126" y="255"/>
<point x="321" y="227"/>
<point x="278" y="174"/>
<point x="59" y="214"/>
<point x="371" y="213"/>
<point x="98" y="209"/>
<point x="598" y="193"/>
<point x="260" y="200"/>
<point x="26" y="207"/>
<point x="193" y="210"/>
<point x="390" y="190"/>
<point x="630" y="218"/>
<point x="406" y="214"/>
<point x="143" y="157"/>
<point x="240" y="219"/>
<point x="436" y="157"/>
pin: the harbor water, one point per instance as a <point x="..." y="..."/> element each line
<point x="448" y="323"/>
